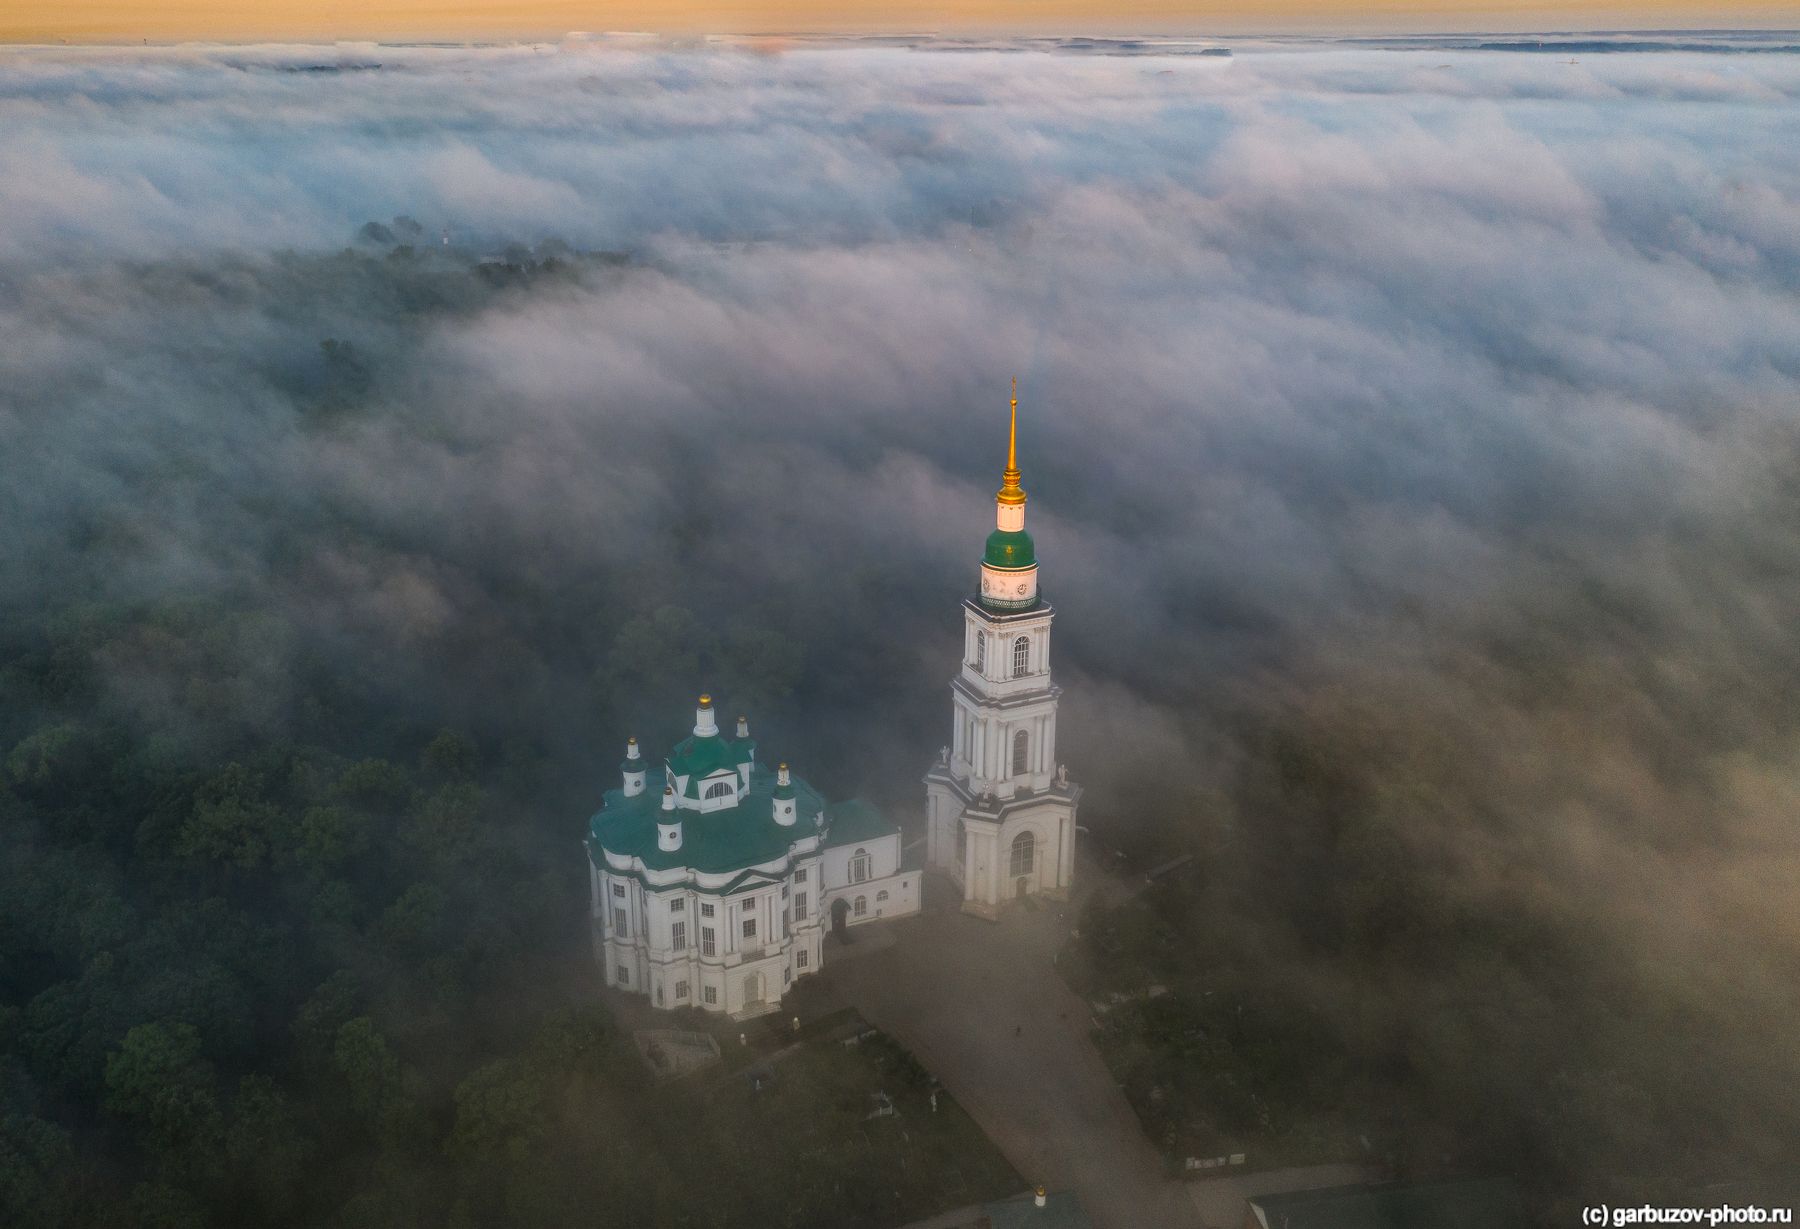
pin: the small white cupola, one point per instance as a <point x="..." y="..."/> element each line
<point x="668" y="824"/>
<point x="705" y="724"/>
<point x="633" y="768"/>
<point x="782" y="806"/>
<point x="743" y="730"/>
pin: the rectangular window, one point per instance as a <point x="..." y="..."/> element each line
<point x="800" y="959"/>
<point x="620" y="930"/>
<point x="706" y="909"/>
<point x="749" y="928"/>
<point x="710" y="993"/>
<point x="800" y="875"/>
<point x="681" y="989"/>
<point x="659" y="996"/>
<point x="678" y="905"/>
<point x="784" y="891"/>
<point x="619" y="890"/>
<point x="787" y="975"/>
<point x="624" y="976"/>
<point x="748" y="903"/>
<point x="799" y="906"/>
<point x="678" y="936"/>
<point x="706" y="941"/>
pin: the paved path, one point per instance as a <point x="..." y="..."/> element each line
<point x="982" y="1006"/>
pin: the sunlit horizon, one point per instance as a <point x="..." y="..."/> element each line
<point x="548" y="20"/>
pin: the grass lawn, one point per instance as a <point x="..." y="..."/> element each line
<point x="1215" y="1060"/>
<point x="803" y="1149"/>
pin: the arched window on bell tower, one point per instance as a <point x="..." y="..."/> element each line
<point x="1023" y="858"/>
<point x="1021" y="752"/>
<point x="980" y="652"/>
<point x="1021" y="657"/>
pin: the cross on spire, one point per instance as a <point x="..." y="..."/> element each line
<point x="1012" y="492"/>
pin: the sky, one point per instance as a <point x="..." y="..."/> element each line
<point x="1435" y="396"/>
<point x="224" y="20"/>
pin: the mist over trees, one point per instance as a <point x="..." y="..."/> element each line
<point x="1411" y="456"/>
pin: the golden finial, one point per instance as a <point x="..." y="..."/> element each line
<point x="1012" y="432"/>
<point x="1012" y="492"/>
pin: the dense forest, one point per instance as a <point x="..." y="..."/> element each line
<point x="315" y="655"/>
<point x="292" y="917"/>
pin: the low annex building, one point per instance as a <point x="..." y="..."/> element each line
<point x="713" y="879"/>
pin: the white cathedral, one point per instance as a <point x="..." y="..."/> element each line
<point x="713" y="880"/>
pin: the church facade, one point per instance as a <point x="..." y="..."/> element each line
<point x="713" y="880"/>
<point x="999" y="811"/>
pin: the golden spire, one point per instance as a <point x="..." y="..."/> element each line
<point x="1012" y="492"/>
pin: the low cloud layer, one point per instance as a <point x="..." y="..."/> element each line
<point x="1447" y="398"/>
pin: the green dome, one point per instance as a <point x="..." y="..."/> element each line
<point x="1010" y="550"/>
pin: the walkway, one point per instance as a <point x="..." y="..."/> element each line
<point x="983" y="1008"/>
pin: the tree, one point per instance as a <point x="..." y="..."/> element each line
<point x="377" y="1085"/>
<point x="316" y="1025"/>
<point x="413" y="921"/>
<point x="231" y="821"/>
<point x="158" y="1081"/>
<point x="376" y="784"/>
<point x="37" y="1172"/>
<point x="330" y="836"/>
<point x="49" y="759"/>
<point x="443" y="825"/>
<point x="500" y="1113"/>
<point x="268" y="1150"/>
<point x="449" y="757"/>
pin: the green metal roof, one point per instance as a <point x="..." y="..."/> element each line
<point x="1061" y="1210"/>
<point x="1010" y="549"/>
<point x="714" y="842"/>
<point x="722" y="841"/>
<point x="1491" y="1203"/>
<point x="696" y="757"/>
<point x="854" y="822"/>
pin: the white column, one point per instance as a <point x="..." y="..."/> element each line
<point x="934" y="839"/>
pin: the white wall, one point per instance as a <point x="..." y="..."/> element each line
<point x="884" y="860"/>
<point x="648" y="951"/>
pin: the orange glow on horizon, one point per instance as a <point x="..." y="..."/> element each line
<point x="132" y="21"/>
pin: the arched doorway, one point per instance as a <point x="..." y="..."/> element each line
<point x="1022" y="863"/>
<point x="840" y="918"/>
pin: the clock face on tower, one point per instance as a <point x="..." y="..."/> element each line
<point x="1021" y="590"/>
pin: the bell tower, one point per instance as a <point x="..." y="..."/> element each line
<point x="1000" y="813"/>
